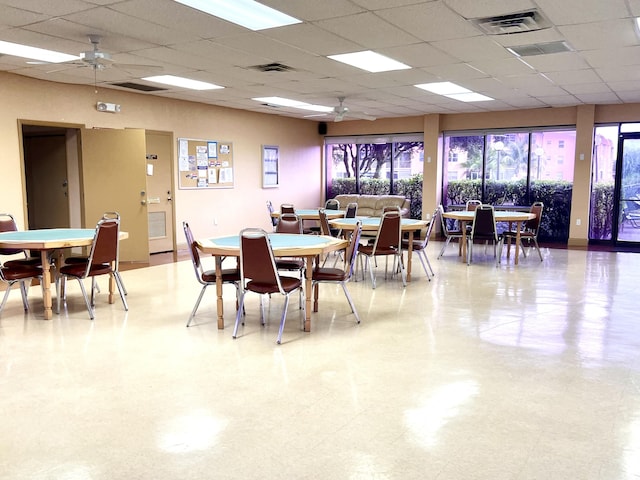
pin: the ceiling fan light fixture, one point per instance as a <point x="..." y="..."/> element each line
<point x="286" y="102"/>
<point x="34" y="53"/>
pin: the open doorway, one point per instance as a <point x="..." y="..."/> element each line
<point x="60" y="193"/>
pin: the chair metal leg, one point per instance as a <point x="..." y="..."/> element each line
<point x="283" y="319"/>
<point x="239" y="314"/>
<point x="195" y="307"/>
<point x="6" y="295"/>
<point x="121" y="290"/>
<point x="86" y="299"/>
<point x="402" y="269"/>
<point x="23" y="293"/>
<point x="350" y="300"/>
<point x="420" y="254"/>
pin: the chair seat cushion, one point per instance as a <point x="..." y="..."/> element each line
<point x="417" y="244"/>
<point x="288" y="284"/>
<point x="289" y="263"/>
<point x="228" y="275"/>
<point x="329" y="275"/>
<point x="20" y="273"/>
<point x="78" y="269"/>
<point x="511" y="233"/>
<point x="368" y="250"/>
<point x="23" y="262"/>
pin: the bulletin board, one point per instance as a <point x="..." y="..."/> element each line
<point x="205" y="164"/>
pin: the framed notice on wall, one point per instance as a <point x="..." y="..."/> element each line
<point x="270" y="173"/>
<point x="205" y="164"/>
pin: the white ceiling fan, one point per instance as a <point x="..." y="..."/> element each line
<point x="341" y="111"/>
<point x="98" y="59"/>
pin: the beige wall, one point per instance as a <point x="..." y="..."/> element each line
<point x="244" y="205"/>
<point x="300" y="146"/>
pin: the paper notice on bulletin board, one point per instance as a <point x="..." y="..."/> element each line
<point x="205" y="164"/>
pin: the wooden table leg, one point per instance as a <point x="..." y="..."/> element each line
<point x="463" y="229"/>
<point x="409" y="255"/>
<point x="112" y="288"/>
<point x="46" y="284"/>
<point x="219" y="302"/>
<point x="518" y="226"/>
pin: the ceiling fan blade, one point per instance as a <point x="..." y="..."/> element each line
<point x="361" y="116"/>
<point x="133" y="66"/>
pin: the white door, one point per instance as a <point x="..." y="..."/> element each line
<point x="160" y="191"/>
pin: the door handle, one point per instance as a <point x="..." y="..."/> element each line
<point x="143" y="200"/>
<point x="169" y="199"/>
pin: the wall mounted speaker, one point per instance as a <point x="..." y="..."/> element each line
<point x="322" y="128"/>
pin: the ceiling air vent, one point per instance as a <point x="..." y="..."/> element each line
<point x="519" y="22"/>
<point x="273" y="67"/>
<point x="540" y="49"/>
<point x="138" y="86"/>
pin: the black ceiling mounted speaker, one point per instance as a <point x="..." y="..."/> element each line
<point x="322" y="128"/>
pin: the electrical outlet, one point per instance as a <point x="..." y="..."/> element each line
<point x="215" y="220"/>
<point x="578" y="222"/>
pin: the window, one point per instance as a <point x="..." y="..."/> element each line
<point x="377" y="166"/>
<point x="513" y="168"/>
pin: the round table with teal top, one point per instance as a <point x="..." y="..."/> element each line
<point x="283" y="245"/>
<point x="408" y="225"/>
<point x="46" y="240"/>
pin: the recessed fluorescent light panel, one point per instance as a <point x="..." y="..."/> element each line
<point x="182" y="82"/>
<point x="33" y="53"/>
<point x="246" y="13"/>
<point x="451" y="90"/>
<point x="286" y="102"/>
<point x="370" y="61"/>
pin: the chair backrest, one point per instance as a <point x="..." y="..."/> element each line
<point x="8" y="224"/>
<point x="443" y="221"/>
<point x="434" y="219"/>
<point x="104" y="249"/>
<point x="256" y="258"/>
<point x="473" y="204"/>
<point x="352" y="250"/>
<point x="534" y="224"/>
<point x="325" y="228"/>
<point x="389" y="233"/>
<point x="390" y="208"/>
<point x="332" y="204"/>
<point x="352" y="210"/>
<point x="289" y="223"/>
<point x="274" y="220"/>
<point x="193" y="251"/>
<point x="484" y="223"/>
<point x="287" y="208"/>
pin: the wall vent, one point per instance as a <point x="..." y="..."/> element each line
<point x="138" y="86"/>
<point x="518" y="22"/>
<point x="540" y="49"/>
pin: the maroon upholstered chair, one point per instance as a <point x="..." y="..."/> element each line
<point x="339" y="275"/>
<point x="290" y="223"/>
<point x="8" y="224"/>
<point x="419" y="246"/>
<point x="102" y="260"/>
<point x="207" y="278"/>
<point x="388" y="242"/>
<point x="529" y="232"/>
<point x="21" y="274"/>
<point x="259" y="274"/>
<point x="449" y="233"/>
<point x="484" y="229"/>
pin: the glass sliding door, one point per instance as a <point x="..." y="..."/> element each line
<point x="628" y="189"/>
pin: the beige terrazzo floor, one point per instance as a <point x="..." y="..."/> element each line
<point x="528" y="372"/>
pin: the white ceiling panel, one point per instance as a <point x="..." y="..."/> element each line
<point x="433" y="37"/>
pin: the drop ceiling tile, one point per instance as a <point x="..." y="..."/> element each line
<point x="573" y="77"/>
<point x="570" y="12"/>
<point x="612" y="57"/>
<point x="367" y="30"/>
<point x="473" y="49"/>
<point x="430" y="21"/>
<point x="313" y="39"/>
<point x="557" y="62"/>
<point x="592" y="36"/>
<point x="598" y="98"/>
